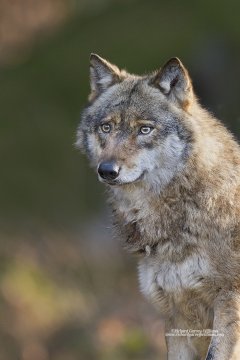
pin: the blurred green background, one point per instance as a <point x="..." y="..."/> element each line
<point x="67" y="290"/>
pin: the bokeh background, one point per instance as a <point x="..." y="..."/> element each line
<point x="67" y="289"/>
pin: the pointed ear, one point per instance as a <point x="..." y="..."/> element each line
<point x="174" y="82"/>
<point x="102" y="75"/>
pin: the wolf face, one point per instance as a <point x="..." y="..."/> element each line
<point x="134" y="128"/>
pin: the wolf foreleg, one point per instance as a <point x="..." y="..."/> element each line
<point x="225" y="342"/>
<point x="178" y="347"/>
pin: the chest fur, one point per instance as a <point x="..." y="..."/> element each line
<point x="172" y="277"/>
<point x="161" y="280"/>
<point x="147" y="220"/>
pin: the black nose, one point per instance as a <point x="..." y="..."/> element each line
<point x="108" y="170"/>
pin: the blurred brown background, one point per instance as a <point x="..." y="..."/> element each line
<point x="67" y="290"/>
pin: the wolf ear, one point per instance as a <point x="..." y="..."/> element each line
<point x="102" y="75"/>
<point x="174" y="82"/>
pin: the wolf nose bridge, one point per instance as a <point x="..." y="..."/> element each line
<point x="108" y="170"/>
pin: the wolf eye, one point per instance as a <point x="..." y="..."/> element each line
<point x="106" y="128"/>
<point x="144" y="130"/>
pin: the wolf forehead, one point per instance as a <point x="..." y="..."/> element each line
<point x="132" y="100"/>
<point x="163" y="97"/>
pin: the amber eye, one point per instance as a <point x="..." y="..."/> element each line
<point x="106" y="128"/>
<point x="144" y="130"/>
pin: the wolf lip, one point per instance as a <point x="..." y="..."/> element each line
<point x="118" y="182"/>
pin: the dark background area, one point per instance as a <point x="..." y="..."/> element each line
<point x="67" y="290"/>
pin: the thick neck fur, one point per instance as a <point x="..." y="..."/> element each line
<point x="186" y="207"/>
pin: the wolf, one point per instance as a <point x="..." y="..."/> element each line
<point x="172" y="172"/>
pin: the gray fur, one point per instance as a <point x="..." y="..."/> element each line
<point x="176" y="199"/>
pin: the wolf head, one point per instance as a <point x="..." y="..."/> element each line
<point x="135" y="129"/>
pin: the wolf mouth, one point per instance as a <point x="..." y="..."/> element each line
<point x="118" y="182"/>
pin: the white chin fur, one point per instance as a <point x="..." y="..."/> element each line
<point x="121" y="180"/>
<point x="130" y="178"/>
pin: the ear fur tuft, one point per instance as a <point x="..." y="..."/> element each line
<point x="174" y="82"/>
<point x="102" y="75"/>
